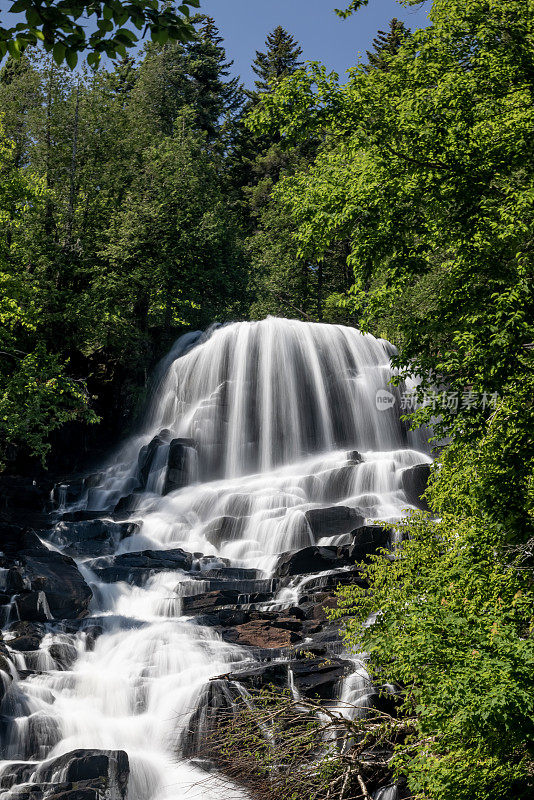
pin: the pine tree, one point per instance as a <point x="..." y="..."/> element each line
<point x="387" y="44"/>
<point x="213" y="92"/>
<point x="280" y="59"/>
<point x="195" y="74"/>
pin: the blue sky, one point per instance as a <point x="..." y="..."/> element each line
<point x="323" y="36"/>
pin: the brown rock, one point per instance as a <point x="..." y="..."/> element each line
<point x="260" y="633"/>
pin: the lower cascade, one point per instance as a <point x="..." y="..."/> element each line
<point x="207" y="547"/>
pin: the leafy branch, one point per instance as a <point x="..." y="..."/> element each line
<point x="61" y="26"/>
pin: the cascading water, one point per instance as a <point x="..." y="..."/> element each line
<point x="252" y="430"/>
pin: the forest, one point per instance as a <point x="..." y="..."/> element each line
<point x="154" y="195"/>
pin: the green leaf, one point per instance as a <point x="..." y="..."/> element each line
<point x="14" y="48"/>
<point x="18" y="6"/>
<point x="71" y="57"/>
<point x="58" y="52"/>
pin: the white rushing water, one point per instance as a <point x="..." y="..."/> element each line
<point x="274" y="418"/>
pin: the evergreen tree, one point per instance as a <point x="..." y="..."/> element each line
<point x="212" y="91"/>
<point x="386" y="44"/>
<point x="195" y="75"/>
<point x="280" y="59"/>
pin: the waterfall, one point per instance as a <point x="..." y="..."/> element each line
<point x="260" y="438"/>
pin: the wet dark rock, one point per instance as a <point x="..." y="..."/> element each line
<point x="33" y="606"/>
<point x="64" y="654"/>
<point x="136" y="568"/>
<point x="15" y="539"/>
<point x="5" y="668"/>
<point x="317" y="609"/>
<point x="205" y="563"/>
<point x="27" y="635"/>
<point x="104" y="770"/>
<point x="232" y="574"/>
<point x="354" y="457"/>
<point x="367" y="540"/>
<point x="310" y="560"/>
<point x="258" y="676"/>
<point x="16" y="773"/>
<point x="209" y="601"/>
<point x="320" y="677"/>
<point x="223" y="618"/>
<point x="57" y="575"/>
<point x="316" y="677"/>
<point x="147" y="455"/>
<point x="224" y="529"/>
<point x="70" y="792"/>
<point x="333" y="521"/>
<point x="178" y="475"/>
<point x="13" y="581"/>
<point x="93" y="480"/>
<point x="414" y="484"/>
<point x="243" y="587"/>
<point x="325" y="582"/>
<point x="91" y="537"/>
<point x="126" y="506"/>
<point x="67" y="493"/>
<point x="45" y="571"/>
<point x="217" y="697"/>
<point x="336" y="483"/>
<point x="386" y="699"/>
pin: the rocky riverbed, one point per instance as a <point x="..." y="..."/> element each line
<point x="49" y="597"/>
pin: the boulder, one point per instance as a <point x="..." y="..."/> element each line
<point x="33" y="606"/>
<point x="147" y="454"/>
<point x="414" y="484"/>
<point x="223" y="529"/>
<point x="209" y="601"/>
<point x="67" y="594"/>
<point x="45" y="571"/>
<point x="310" y="560"/>
<point x="64" y="654"/>
<point x="257" y="676"/>
<point x="91" y="537"/>
<point x="178" y="475"/>
<point x="12" y="581"/>
<point x="262" y="634"/>
<point x="217" y="697"/>
<point x="318" y="609"/>
<point x="15" y="773"/>
<point x="331" y="579"/>
<point x="70" y="792"/>
<point x="336" y="483"/>
<point x="319" y="677"/>
<point x="223" y="618"/>
<point x="333" y="521"/>
<point x="15" y="539"/>
<point x="27" y="636"/>
<point x="367" y="540"/>
<point x="67" y="493"/>
<point x="106" y="771"/>
<point x="136" y="568"/>
<point x="126" y="505"/>
<point x="245" y="588"/>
